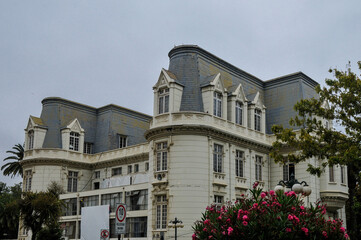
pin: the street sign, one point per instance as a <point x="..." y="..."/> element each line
<point x="120" y="216"/>
<point x="104" y="234"/>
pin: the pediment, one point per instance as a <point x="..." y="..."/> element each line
<point x="238" y="93"/>
<point x="75" y="126"/>
<point x="165" y="79"/>
<point x="257" y="101"/>
<point x="218" y="83"/>
<point x="34" y="122"/>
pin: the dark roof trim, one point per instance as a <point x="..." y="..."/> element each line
<point x="289" y="78"/>
<point x="213" y="58"/>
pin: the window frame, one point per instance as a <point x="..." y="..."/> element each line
<point x="72" y="181"/>
<point x="257" y="119"/>
<point x="122" y="141"/>
<point x="88" y="148"/>
<point x="161" y="156"/>
<point x="161" y="212"/>
<point x="286" y="171"/>
<point x="117" y="171"/>
<point x="28" y="177"/>
<point x="343" y="180"/>
<point x="217" y="104"/>
<point x="217" y="158"/>
<point x="74" y="141"/>
<point x="240" y="163"/>
<point x="258" y="167"/>
<point x="163" y="100"/>
<point x="239" y="113"/>
<point x="331" y="174"/>
<point x="31" y="139"/>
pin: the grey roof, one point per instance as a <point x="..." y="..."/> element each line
<point x="205" y="81"/>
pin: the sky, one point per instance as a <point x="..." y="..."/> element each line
<point x="102" y="52"/>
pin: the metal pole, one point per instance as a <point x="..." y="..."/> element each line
<point x="175" y="225"/>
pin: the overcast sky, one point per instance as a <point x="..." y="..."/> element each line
<point x="101" y="52"/>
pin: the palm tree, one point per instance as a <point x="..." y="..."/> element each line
<point x="14" y="168"/>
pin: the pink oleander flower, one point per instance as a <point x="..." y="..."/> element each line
<point x="288" y="230"/>
<point x="263" y="195"/>
<point x="204" y="229"/>
<point x="272" y="193"/>
<point x="255" y="184"/>
<point x="194" y="236"/>
<point x="296" y="219"/>
<point x="255" y="205"/>
<point x="245" y="218"/>
<point x="290" y="217"/>
<point x="291" y="193"/>
<point x="305" y="230"/>
<point x="264" y="203"/>
<point x="342" y="229"/>
<point x="230" y="230"/>
<point x="207" y="221"/>
<point x="302" y="207"/>
<point x="245" y="223"/>
<point x="324" y="233"/>
<point x="346" y="236"/>
<point x="228" y="220"/>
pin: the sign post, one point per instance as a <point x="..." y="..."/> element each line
<point x="120" y="217"/>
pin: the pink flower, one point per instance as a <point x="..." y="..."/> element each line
<point x="346" y="236"/>
<point x="245" y="218"/>
<point x="290" y="217"/>
<point x="263" y="195"/>
<point x="194" y="237"/>
<point x="291" y="193"/>
<point x="272" y="193"/>
<point x="288" y="230"/>
<point x="324" y="233"/>
<point x="255" y="184"/>
<point x="206" y="221"/>
<point x="230" y="230"/>
<point x="342" y="229"/>
<point x="296" y="218"/>
<point x="228" y="220"/>
<point x="204" y="229"/>
<point x="264" y="203"/>
<point x="255" y="205"/>
<point x="245" y="223"/>
<point x="302" y="208"/>
<point x="305" y="230"/>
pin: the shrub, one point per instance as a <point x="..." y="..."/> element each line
<point x="268" y="215"/>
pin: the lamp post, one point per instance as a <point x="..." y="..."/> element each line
<point x="294" y="185"/>
<point x="173" y="223"/>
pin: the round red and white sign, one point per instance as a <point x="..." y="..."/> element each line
<point x="120" y="214"/>
<point x="104" y="233"/>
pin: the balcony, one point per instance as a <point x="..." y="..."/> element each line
<point x="241" y="183"/>
<point x="219" y="179"/>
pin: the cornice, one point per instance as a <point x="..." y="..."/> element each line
<point x="213" y="132"/>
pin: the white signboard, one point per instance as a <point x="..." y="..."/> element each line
<point x="93" y="220"/>
<point x="120" y="216"/>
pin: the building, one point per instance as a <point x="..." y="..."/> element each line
<point x="207" y="142"/>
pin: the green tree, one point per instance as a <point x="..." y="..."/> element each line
<point x="9" y="210"/>
<point x="14" y="168"/>
<point x="40" y="210"/>
<point x="340" y="102"/>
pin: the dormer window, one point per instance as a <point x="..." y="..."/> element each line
<point x="31" y="139"/>
<point x="217" y="104"/>
<point x="74" y="141"/>
<point x="239" y="113"/>
<point x="163" y="100"/>
<point x="257" y="119"/>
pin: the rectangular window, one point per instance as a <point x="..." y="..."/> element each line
<point x="343" y="174"/>
<point x="137" y="200"/>
<point x="217" y="158"/>
<point x="28" y="179"/>
<point x="136" y="168"/>
<point x="69" y="209"/>
<point x="217" y="104"/>
<point x="258" y="168"/>
<point x="30" y="139"/>
<point x="162" y="152"/>
<point x="129" y="169"/>
<point x="97" y="174"/>
<point x="146" y="166"/>
<point x="257" y="119"/>
<point x="74" y="141"/>
<point x="116" y="171"/>
<point x="111" y="199"/>
<point x="288" y="171"/>
<point x="218" y="199"/>
<point x="72" y="181"/>
<point x="122" y="141"/>
<point x="163" y="100"/>
<point x="331" y="174"/>
<point x="239" y="163"/>
<point x="136" y="227"/>
<point x="88" y="148"/>
<point x="239" y="113"/>
<point x="161" y="214"/>
<point x="90" y="201"/>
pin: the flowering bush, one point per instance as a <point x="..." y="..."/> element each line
<point x="268" y="215"/>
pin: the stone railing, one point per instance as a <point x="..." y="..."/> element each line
<point x="62" y="154"/>
<point x="219" y="179"/>
<point x="205" y="119"/>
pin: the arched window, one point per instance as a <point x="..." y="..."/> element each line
<point x="31" y="139"/>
